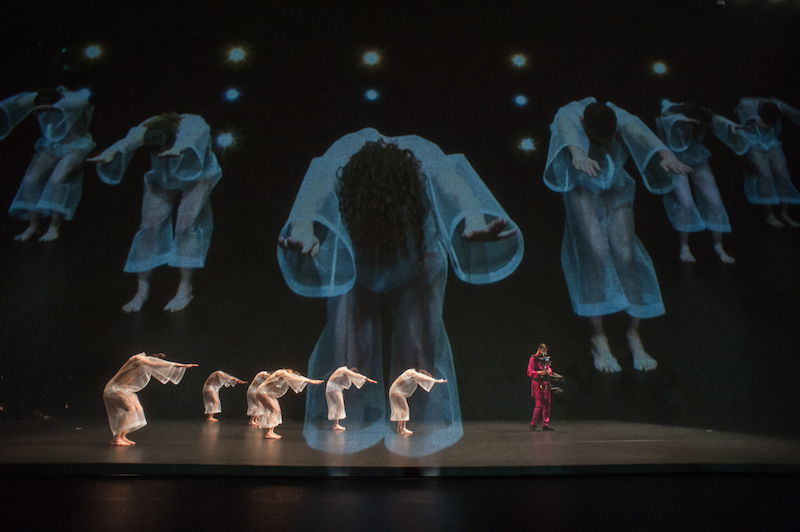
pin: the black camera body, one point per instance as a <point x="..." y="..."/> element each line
<point x="544" y="360"/>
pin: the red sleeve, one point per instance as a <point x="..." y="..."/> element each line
<point x="531" y="369"/>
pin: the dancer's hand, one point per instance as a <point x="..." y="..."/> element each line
<point x="671" y="164"/>
<point x="583" y="163"/>
<point x="492" y="232"/>
<point x="307" y="245"/>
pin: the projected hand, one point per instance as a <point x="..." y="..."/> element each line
<point x="671" y="164"/>
<point x="41" y="108"/>
<point x="307" y="245"/>
<point x="105" y="157"/>
<point x="492" y="232"/>
<point x="172" y="152"/>
<point x="582" y="162"/>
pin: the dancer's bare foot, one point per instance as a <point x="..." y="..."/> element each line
<point x="181" y="299"/>
<point x="686" y="255"/>
<point x="135" y="304"/>
<point x="211" y="419"/>
<point x="405" y="432"/>
<point x="774" y="222"/>
<point x="724" y="257"/>
<point x="272" y="436"/>
<point x="119" y="442"/>
<point x="253" y="421"/>
<point x="603" y="359"/>
<point x="641" y="360"/>
<point x="51" y="234"/>
<point x="129" y="442"/>
<point x="27" y="233"/>
<point x="338" y="427"/>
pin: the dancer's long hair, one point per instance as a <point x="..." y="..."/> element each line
<point x="383" y="202"/>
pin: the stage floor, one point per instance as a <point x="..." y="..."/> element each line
<point x="64" y="446"/>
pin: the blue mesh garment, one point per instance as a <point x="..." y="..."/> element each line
<point x="412" y="290"/>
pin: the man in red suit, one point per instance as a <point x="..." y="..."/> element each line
<point x="540" y="388"/>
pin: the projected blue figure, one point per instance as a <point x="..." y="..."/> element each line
<point x="53" y="182"/>
<point x="372" y="227"/>
<point x="184" y="171"/>
<point x="767" y="181"/>
<point x="683" y="127"/>
<point x="606" y="266"/>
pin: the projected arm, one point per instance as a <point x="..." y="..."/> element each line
<point x="113" y="162"/>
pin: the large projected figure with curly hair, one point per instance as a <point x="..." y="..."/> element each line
<point x="371" y="229"/>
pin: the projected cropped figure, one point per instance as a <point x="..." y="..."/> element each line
<point x="268" y="393"/>
<point x="124" y="410"/>
<point x="606" y="266"/>
<point x="767" y="181"/>
<point x="682" y="127"/>
<point x="211" y="388"/>
<point x="184" y="171"/>
<point x="254" y="408"/>
<point x="340" y="380"/>
<point x="372" y="227"/>
<point x="53" y="182"/>
<point x="402" y="388"/>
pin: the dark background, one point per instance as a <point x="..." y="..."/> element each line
<point x="727" y="346"/>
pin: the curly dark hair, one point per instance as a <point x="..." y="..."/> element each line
<point x="161" y="132"/>
<point x="383" y="202"/>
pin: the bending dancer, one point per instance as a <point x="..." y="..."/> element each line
<point x="254" y="408"/>
<point x="402" y="388"/>
<point x="211" y="388"/>
<point x="682" y="127"/>
<point x="539" y="369"/>
<point x="373" y="224"/>
<point x="53" y="182"/>
<point x="184" y="171"/>
<point x="273" y="388"/>
<point x="766" y="180"/>
<point x="124" y="411"/>
<point x="606" y="266"/>
<point x="341" y="379"/>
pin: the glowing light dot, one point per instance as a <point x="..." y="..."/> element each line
<point x="518" y="60"/>
<point x="232" y="94"/>
<point x="92" y="52"/>
<point x="371" y="58"/>
<point x="225" y="140"/>
<point x="527" y="144"/>
<point x="371" y="95"/>
<point x="659" y="68"/>
<point x="521" y="100"/>
<point x="236" y="54"/>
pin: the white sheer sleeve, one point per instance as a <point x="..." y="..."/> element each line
<point x="164" y="370"/>
<point x="122" y="152"/>
<point x="723" y="129"/>
<point x="356" y="378"/>
<point x="788" y="111"/>
<point x="13" y="110"/>
<point x="193" y="141"/>
<point x="425" y="382"/>
<point x="565" y="131"/>
<point x="296" y="382"/>
<point x="67" y="111"/>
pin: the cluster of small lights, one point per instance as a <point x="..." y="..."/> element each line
<point x="93" y="51"/>
<point x="225" y="140"/>
<point x="659" y="68"/>
<point x="236" y="54"/>
<point x="518" y="60"/>
<point x="521" y="100"/>
<point x="527" y="144"/>
<point x="371" y="58"/>
<point x="232" y="95"/>
<point x="371" y="95"/>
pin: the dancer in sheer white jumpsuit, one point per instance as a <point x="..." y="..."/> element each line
<point x="607" y="268"/>
<point x="53" y="183"/>
<point x="767" y="181"/>
<point x="124" y="410"/>
<point x="211" y="388"/>
<point x="402" y="388"/>
<point x="254" y="408"/>
<point x="183" y="174"/>
<point x="682" y="127"/>
<point x="270" y="390"/>
<point x="341" y="380"/>
<point x="318" y="258"/>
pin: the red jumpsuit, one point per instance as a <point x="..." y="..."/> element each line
<point x="540" y="389"/>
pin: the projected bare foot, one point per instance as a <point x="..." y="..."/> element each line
<point x="686" y="255"/>
<point x="774" y="222"/>
<point x="51" y="234"/>
<point x="641" y="360"/>
<point x="181" y="299"/>
<point x="724" y="257"/>
<point x="135" y="304"/>
<point x="603" y="359"/>
<point x="338" y="427"/>
<point x="789" y="221"/>
<point x="26" y="234"/>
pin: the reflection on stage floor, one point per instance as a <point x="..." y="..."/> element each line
<point x="487" y="448"/>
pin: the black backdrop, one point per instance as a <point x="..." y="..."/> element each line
<point x="726" y="346"/>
